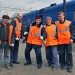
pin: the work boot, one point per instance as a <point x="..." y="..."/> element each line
<point x="54" y="68"/>
<point x="0" y="68"/>
<point x="11" y="65"/>
<point x="69" y="70"/>
<point x="63" y="67"/>
<point x="7" y="67"/>
<point x="48" y="65"/>
<point x="16" y="62"/>
<point x="39" y="66"/>
<point x="27" y="63"/>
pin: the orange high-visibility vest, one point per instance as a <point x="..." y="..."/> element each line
<point x="33" y="37"/>
<point x="51" y="39"/>
<point x="18" y="28"/>
<point x="63" y="32"/>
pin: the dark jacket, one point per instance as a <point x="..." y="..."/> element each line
<point x="4" y="33"/>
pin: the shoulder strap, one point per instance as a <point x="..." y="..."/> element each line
<point x="54" y="29"/>
<point x="67" y="25"/>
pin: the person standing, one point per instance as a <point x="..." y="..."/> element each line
<point x="65" y="41"/>
<point x="36" y="35"/>
<point x="51" y="44"/>
<point x="6" y="40"/>
<point x="17" y="26"/>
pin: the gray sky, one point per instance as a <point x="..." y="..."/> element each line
<point x="27" y="5"/>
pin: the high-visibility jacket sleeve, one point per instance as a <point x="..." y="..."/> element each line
<point x="13" y="36"/>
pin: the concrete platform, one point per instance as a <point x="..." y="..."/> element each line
<point x="20" y="69"/>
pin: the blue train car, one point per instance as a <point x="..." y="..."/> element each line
<point x="29" y="18"/>
<point x="52" y="12"/>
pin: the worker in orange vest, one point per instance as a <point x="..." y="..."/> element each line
<point x="17" y="26"/>
<point x="6" y="40"/>
<point x="65" y="41"/>
<point x="36" y="35"/>
<point x="51" y="44"/>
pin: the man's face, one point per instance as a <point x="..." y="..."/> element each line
<point x="61" y="17"/>
<point x="48" y="21"/>
<point x="5" y="20"/>
<point x="38" y="21"/>
<point x="20" y="16"/>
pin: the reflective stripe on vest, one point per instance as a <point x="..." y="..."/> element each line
<point x="63" y="32"/>
<point x="33" y="37"/>
<point x="38" y="34"/>
<point x="66" y="29"/>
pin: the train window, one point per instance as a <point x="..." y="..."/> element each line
<point x="74" y="16"/>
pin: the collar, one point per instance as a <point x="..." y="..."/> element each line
<point x="18" y="20"/>
<point x="62" y="22"/>
<point x="3" y="24"/>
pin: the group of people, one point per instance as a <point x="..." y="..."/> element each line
<point x="57" y="39"/>
<point x="10" y="34"/>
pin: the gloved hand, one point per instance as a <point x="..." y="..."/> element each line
<point x="71" y="41"/>
<point x="11" y="44"/>
<point x="25" y="33"/>
<point x="17" y="38"/>
<point x="23" y="37"/>
<point x="41" y="37"/>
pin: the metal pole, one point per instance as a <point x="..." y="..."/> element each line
<point x="64" y="6"/>
<point x="0" y="10"/>
<point x="0" y="6"/>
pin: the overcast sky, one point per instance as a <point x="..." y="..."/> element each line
<point x="27" y="5"/>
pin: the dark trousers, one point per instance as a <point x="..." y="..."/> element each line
<point x="37" y="52"/>
<point x="14" y="52"/>
<point x="11" y="54"/>
<point x="65" y="55"/>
